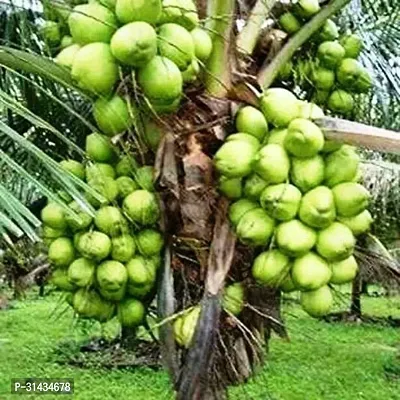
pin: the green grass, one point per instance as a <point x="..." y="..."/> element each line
<point x="321" y="362"/>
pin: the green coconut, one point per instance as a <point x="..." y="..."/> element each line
<point x="99" y="148"/>
<point x="77" y="219"/>
<point x="252" y="121"/>
<point x="141" y="272"/>
<point x="59" y="278"/>
<point x="234" y="158"/>
<point x="110" y="221"/>
<point x="254" y="186"/>
<point x="144" y="177"/>
<point x="141" y="206"/>
<point x="280" y="107"/>
<point x="304" y="139"/>
<point x="272" y="164"/>
<point x="310" y="111"/>
<point x="244" y="137"/>
<point x="277" y="136"/>
<point x="76" y="239"/>
<point x="330" y="54"/>
<point x="112" y="115"/>
<point x="358" y="224"/>
<point x="123" y="248"/>
<point x="181" y="12"/>
<point x="126" y="186"/>
<point x="51" y="33"/>
<point x="330" y="146"/>
<point x="107" y="187"/>
<point x="164" y="106"/>
<point x="270" y="268"/>
<point x="255" y="228"/>
<point x="113" y="295"/>
<point x="289" y="23"/>
<point x="329" y="31"/>
<point x="89" y="23"/>
<point x="139" y="292"/>
<point x="153" y="134"/>
<point x="149" y="242"/>
<point x="95" y="69"/>
<point x="353" y="76"/>
<point x="238" y="209"/>
<point x="74" y="167"/>
<point x="341" y="102"/>
<point x="134" y="44"/>
<point x="364" y="82"/>
<point x="176" y="43"/>
<point x="336" y="242"/>
<point x="160" y="80"/>
<point x="307" y="173"/>
<point x="233" y="299"/>
<point x="89" y="304"/>
<point x="320" y="96"/>
<point x="190" y="74"/>
<point x="202" y="44"/>
<point x="341" y="166"/>
<point x="351" y="198"/>
<point x="287" y="284"/>
<point x="126" y="166"/>
<point x="295" y="238"/>
<point x="184" y="326"/>
<point x="352" y="44"/>
<point x="99" y="171"/>
<point x="306" y="8"/>
<point x="131" y="313"/>
<point x="67" y="55"/>
<point x="230" y="187"/>
<point x="323" y="78"/>
<point x="317" y="208"/>
<point x="281" y="201"/>
<point x="343" y="271"/>
<point x="310" y="272"/>
<point x="61" y="252"/>
<point x="94" y="245"/>
<point x="81" y="272"/>
<point x="53" y="215"/>
<point x="111" y="275"/>
<point x="147" y="11"/>
<point x="317" y="303"/>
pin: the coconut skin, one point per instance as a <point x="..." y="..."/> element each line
<point x="254" y="186"/>
<point x="239" y="208"/>
<point x="271" y="267"/>
<point x="350" y="198"/>
<point x="352" y="44"/>
<point x="99" y="148"/>
<point x="252" y="121"/>
<point x="74" y="167"/>
<point x="341" y="102"/>
<point x="307" y="173"/>
<point x="81" y="272"/>
<point x="328" y="32"/>
<point x="53" y="216"/>
<point x="317" y="303"/>
<point x="130" y="312"/>
<point x="330" y="54"/>
<point x="61" y="252"/>
<point x="66" y="56"/>
<point x="343" y="271"/>
<point x="230" y="187"/>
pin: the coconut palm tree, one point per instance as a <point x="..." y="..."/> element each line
<point x="45" y="118"/>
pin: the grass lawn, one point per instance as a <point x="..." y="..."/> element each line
<point x="321" y="362"/>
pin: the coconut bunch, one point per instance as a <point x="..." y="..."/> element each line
<point x="296" y="198"/>
<point x="107" y="263"/>
<point x="157" y="45"/>
<point x="330" y="65"/>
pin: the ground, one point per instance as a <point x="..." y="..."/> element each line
<point x="322" y="361"/>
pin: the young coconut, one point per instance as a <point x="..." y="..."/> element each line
<point x="66" y="56"/>
<point x="343" y="271"/>
<point x="61" y="252"/>
<point x="307" y="173"/>
<point x="59" y="278"/>
<point x="111" y="276"/>
<point x="341" y="102"/>
<point x="336" y="242"/>
<point x="230" y="187"/>
<point x="252" y="121"/>
<point x="131" y="313"/>
<point x="244" y="137"/>
<point x="281" y="201"/>
<point x="106" y="186"/>
<point x="110" y="221"/>
<point x="112" y="115"/>
<point x="141" y="272"/>
<point x="53" y="215"/>
<point x="89" y="23"/>
<point x="352" y="45"/>
<point x="94" y="245"/>
<point x="149" y="242"/>
<point x="78" y="219"/>
<point x="74" y="167"/>
<point x="181" y="12"/>
<point x="310" y="272"/>
<point x="142" y="207"/>
<point x="306" y="8"/>
<point x="81" y="272"/>
<point x="95" y="69"/>
<point x="89" y="304"/>
<point x="350" y="198"/>
<point x="270" y="268"/>
<point x="144" y="177"/>
<point x="126" y="166"/>
<point x="330" y="54"/>
<point x="317" y="303"/>
<point x="147" y="11"/>
<point x="289" y="23"/>
<point x="358" y="224"/>
<point x="123" y="248"/>
<point x="277" y="136"/>
<point x="255" y="228"/>
<point x="317" y="208"/>
<point x="233" y="299"/>
<point x="238" y="209"/>
<point x="341" y="166"/>
<point x="272" y="164"/>
<point x="295" y="238"/>
<point x="187" y="327"/>
<point x="134" y="44"/>
<point x="202" y="44"/>
<point x="49" y="234"/>
<point x="126" y="186"/>
<point x="328" y="32"/>
<point x="304" y="139"/>
<point x="99" y="171"/>
<point x="323" y="78"/>
<point x="254" y="186"/>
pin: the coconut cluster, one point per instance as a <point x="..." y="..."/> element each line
<point x="158" y="43"/>
<point x="296" y="198"/>
<point x="106" y="262"/>
<point x="330" y="65"/>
